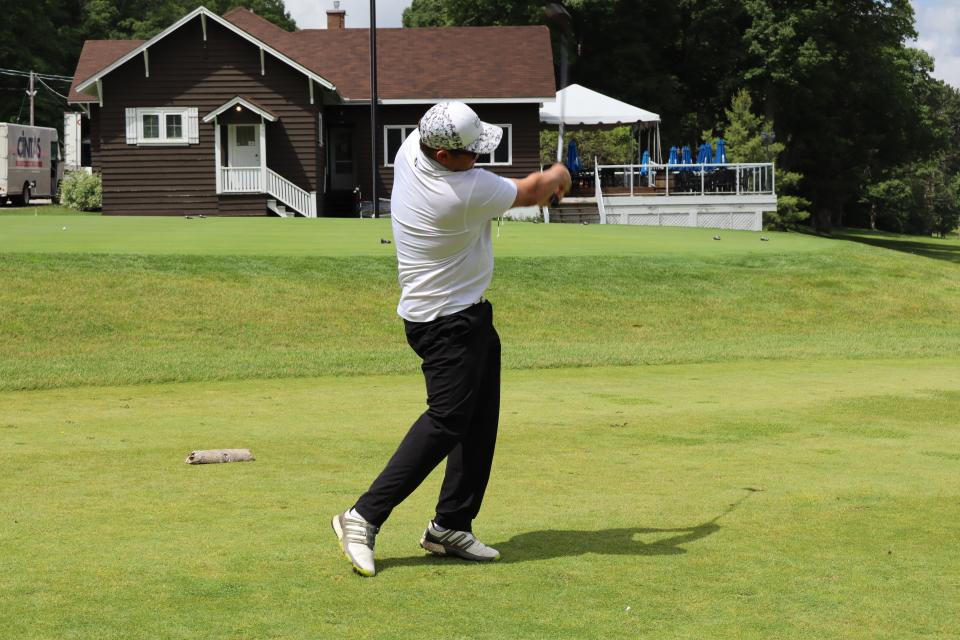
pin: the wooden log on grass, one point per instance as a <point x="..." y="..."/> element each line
<point x="213" y="456"/>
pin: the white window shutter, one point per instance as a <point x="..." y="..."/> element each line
<point x="131" y="126"/>
<point x="193" y="126"/>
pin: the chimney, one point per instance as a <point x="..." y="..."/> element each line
<point x="336" y="17"/>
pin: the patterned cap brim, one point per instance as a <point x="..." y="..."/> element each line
<point x="488" y="140"/>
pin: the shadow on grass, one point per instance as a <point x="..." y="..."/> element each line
<point x="554" y="543"/>
<point x="937" y="249"/>
<point x="557" y="543"/>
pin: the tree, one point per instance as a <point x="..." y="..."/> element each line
<point x="841" y="85"/>
<point x="472" y="13"/>
<point x="751" y="139"/>
<point x="610" y="146"/>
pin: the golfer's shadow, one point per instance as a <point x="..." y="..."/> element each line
<point x="558" y="543"/>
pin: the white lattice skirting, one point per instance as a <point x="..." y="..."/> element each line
<point x="744" y="213"/>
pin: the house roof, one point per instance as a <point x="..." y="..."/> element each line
<point x="203" y="13"/>
<point x="420" y="63"/>
<point x="97" y="55"/>
<point x="510" y="64"/>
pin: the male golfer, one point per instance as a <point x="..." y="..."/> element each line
<point x="441" y="208"/>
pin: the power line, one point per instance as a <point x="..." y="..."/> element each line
<point x="51" y="89"/>
<point x="26" y="74"/>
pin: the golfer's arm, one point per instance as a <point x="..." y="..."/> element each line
<point x="538" y="187"/>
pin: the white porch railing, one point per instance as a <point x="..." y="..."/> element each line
<point x="303" y="202"/>
<point x="251" y="180"/>
<point x="241" y="179"/>
<point x="710" y="179"/>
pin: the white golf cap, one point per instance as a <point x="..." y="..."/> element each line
<point x="454" y="125"/>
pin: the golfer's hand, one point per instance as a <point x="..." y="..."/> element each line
<point x="564" y="186"/>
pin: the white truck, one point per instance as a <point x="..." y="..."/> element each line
<point x="31" y="165"/>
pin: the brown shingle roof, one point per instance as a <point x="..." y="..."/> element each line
<point x="449" y="62"/>
<point x="96" y="55"/>
<point x="422" y="63"/>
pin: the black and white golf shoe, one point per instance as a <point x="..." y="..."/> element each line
<point x="450" y="542"/>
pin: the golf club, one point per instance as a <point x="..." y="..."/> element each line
<point x="558" y="19"/>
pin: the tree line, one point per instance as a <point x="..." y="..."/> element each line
<point x="865" y="135"/>
<point x="835" y="87"/>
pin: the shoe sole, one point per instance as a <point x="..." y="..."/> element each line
<point x="443" y="551"/>
<point x="335" y="523"/>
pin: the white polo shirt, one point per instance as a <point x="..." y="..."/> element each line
<point x="441" y="229"/>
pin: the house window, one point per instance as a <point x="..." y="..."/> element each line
<point x="161" y="126"/>
<point x="175" y="125"/>
<point x="394" y="135"/>
<point x="151" y="126"/>
<point x="503" y="154"/>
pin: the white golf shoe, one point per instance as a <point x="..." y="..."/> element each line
<point x="356" y="537"/>
<point x="450" y="542"/>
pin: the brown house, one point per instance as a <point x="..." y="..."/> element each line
<point x="233" y="115"/>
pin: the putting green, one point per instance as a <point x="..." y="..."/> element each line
<point x="354" y="237"/>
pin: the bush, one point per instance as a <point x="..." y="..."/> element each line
<point x="82" y="191"/>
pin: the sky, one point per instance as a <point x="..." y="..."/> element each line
<point x="938" y="25"/>
<point x="312" y="14"/>
<point x="937" y="22"/>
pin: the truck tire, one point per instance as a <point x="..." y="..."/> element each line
<point x="23" y="199"/>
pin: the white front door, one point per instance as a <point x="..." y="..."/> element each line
<point x="243" y="149"/>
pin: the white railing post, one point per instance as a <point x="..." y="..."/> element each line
<point x="773" y="178"/>
<point x="263" y="149"/>
<point x="598" y="193"/>
<point x="216" y="155"/>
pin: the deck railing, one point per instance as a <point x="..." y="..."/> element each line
<point x="687" y="179"/>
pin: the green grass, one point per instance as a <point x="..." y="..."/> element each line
<point x="668" y="296"/>
<point x="337" y="237"/>
<point x="44" y="210"/>
<point x="745" y="500"/>
<point x="940" y="248"/>
<point x="732" y="438"/>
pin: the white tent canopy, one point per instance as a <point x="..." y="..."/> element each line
<point x="585" y="107"/>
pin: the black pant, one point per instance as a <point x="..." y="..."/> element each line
<point x="461" y="364"/>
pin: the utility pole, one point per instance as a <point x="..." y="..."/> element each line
<point x="373" y="104"/>
<point x="31" y="93"/>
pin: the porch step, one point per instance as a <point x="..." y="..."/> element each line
<point x="280" y="209"/>
<point x="575" y="213"/>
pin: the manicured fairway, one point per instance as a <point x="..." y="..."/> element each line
<point x="750" y="500"/>
<point x="700" y="438"/>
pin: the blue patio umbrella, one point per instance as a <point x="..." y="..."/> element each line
<point x="573" y="157"/>
<point x="721" y="155"/>
<point x="672" y="159"/>
<point x="704" y="153"/>
<point x="687" y="156"/>
<point x="644" y="161"/>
